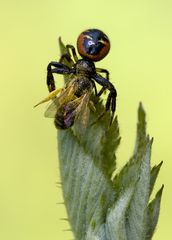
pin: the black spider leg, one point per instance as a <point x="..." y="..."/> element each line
<point x="58" y="68"/>
<point x="111" y="99"/>
<point x="95" y="88"/>
<point x="102" y="70"/>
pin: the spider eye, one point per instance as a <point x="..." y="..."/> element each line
<point x="93" y="44"/>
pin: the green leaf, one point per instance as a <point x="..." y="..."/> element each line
<point x="153" y="214"/>
<point x="136" y="216"/>
<point x="100" y="207"/>
<point x="110" y="142"/>
<point x="154" y="174"/>
<point x="87" y="192"/>
<point x="130" y="173"/>
<point x="141" y="131"/>
<point x="116" y="216"/>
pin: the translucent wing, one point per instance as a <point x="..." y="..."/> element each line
<point x="82" y="114"/>
<point x="51" y="110"/>
<point x="65" y="96"/>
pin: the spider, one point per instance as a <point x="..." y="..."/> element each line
<point x="92" y="45"/>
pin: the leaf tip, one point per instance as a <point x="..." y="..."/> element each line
<point x="160" y="164"/>
<point x="141" y="112"/>
<point x="60" y="39"/>
<point x="161" y="189"/>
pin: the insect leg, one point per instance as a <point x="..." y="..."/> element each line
<point x="71" y="47"/>
<point x="66" y="59"/>
<point x="51" y="95"/>
<point x="94" y="86"/>
<point x="101" y="91"/>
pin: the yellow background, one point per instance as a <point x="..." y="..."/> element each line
<point x="140" y="66"/>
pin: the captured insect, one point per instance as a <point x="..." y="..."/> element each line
<point x="72" y="103"/>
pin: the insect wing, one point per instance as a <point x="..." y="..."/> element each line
<point x="66" y="96"/>
<point x="58" y="101"/>
<point x="51" y="110"/>
<point x="82" y="114"/>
